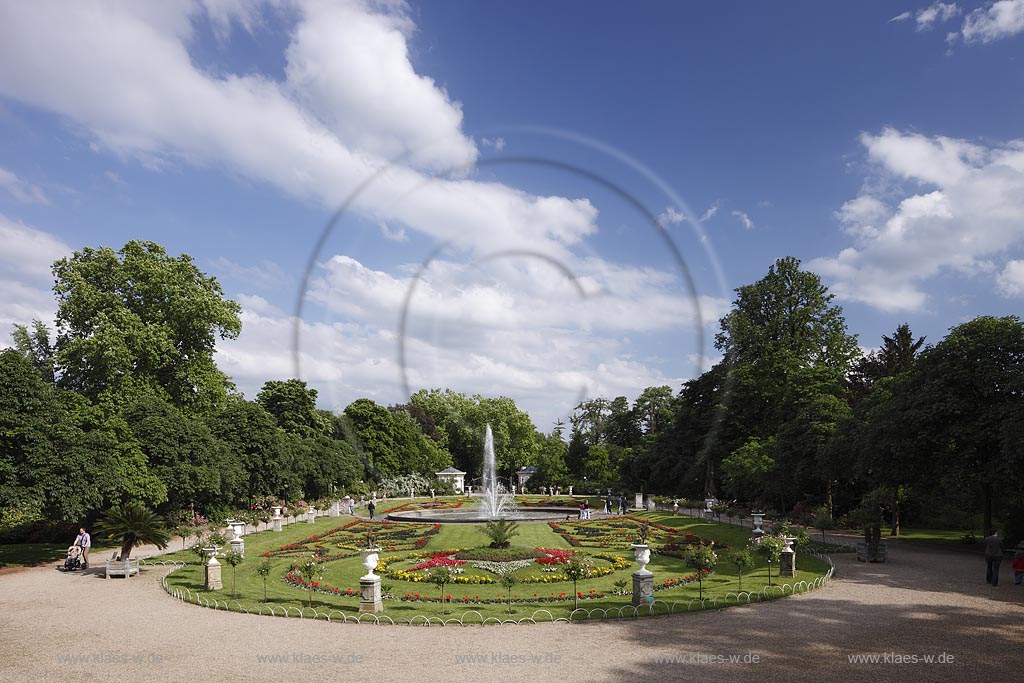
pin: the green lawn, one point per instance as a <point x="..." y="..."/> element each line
<point x="941" y="536"/>
<point x="344" y="573"/>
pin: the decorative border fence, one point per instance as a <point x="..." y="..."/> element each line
<point x="658" y="608"/>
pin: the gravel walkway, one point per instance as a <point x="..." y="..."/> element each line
<point x="922" y="602"/>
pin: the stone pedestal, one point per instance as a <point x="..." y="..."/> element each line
<point x="335" y="510"/>
<point x="570" y="491"/>
<point x="212" y="575"/>
<point x="277" y="523"/>
<point x="369" y="595"/>
<point x="311" y="516"/>
<point x="238" y="546"/>
<point x="643" y="588"/>
<point x="787" y="563"/>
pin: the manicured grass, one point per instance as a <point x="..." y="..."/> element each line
<point x="940" y="536"/>
<point x="345" y="572"/>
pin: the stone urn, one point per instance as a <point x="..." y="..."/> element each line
<point x="277" y="512"/>
<point x="642" y="555"/>
<point x="371" y="556"/>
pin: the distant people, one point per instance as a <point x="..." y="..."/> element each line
<point x="84" y="541"/>
<point x="675" y="506"/>
<point x="582" y="510"/>
<point x="993" y="557"/>
<point x="1018" y="565"/>
<point x="622" y="504"/>
<point x="371" y="507"/>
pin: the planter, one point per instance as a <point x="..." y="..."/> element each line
<point x="642" y="555"/>
<point x="371" y="556"/>
<point x="866" y="553"/>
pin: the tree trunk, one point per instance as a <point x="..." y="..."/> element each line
<point x="895" y="530"/>
<point x="829" y="497"/>
<point x="126" y="549"/>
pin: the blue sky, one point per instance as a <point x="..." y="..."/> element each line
<point x="522" y="144"/>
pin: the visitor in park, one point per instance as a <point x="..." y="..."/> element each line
<point x="622" y="504"/>
<point x="84" y="540"/>
<point x="993" y="557"/>
<point x="352" y="507"/>
<point x="586" y="509"/>
<point x="371" y="507"/>
<point x="582" y="510"/>
<point x="1018" y="564"/>
<point x="675" y="506"/>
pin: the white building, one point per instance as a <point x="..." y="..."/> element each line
<point x="456" y="477"/>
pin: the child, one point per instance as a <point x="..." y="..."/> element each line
<point x="1018" y="564"/>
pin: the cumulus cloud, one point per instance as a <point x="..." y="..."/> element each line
<point x="161" y="108"/>
<point x="1002" y="19"/>
<point x="1010" y="282"/>
<point x="967" y="209"/>
<point x="22" y="191"/>
<point x="902" y="16"/>
<point x="265" y="275"/>
<point x="934" y="14"/>
<point x="25" y="277"/>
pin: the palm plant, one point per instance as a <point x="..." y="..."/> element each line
<point x="501" y="532"/>
<point x="133" y="525"/>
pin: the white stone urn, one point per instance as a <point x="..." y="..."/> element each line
<point x="211" y="552"/>
<point x="277" y="512"/>
<point x="642" y="555"/>
<point x="371" y="556"/>
<point x="789" y="544"/>
<point x="758" y="518"/>
<point x="311" y="515"/>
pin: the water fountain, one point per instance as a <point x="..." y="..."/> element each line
<point x="496" y="501"/>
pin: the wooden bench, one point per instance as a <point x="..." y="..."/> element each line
<point x="123" y="568"/>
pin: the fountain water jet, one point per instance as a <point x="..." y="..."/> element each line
<point x="496" y="501"/>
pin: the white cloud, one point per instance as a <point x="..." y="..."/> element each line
<point x="712" y="210"/>
<point x="937" y="13"/>
<point x="671" y="216"/>
<point x="744" y="219"/>
<point x="969" y="208"/>
<point x="1002" y="19"/>
<point x="703" y="362"/>
<point x="265" y="275"/>
<point x="24" y="192"/>
<point x="25" y="276"/>
<point x="497" y="143"/>
<point x="903" y="16"/>
<point x="160" y="108"/>
<point x="1010" y="282"/>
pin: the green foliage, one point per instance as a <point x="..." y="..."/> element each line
<point x="576" y="569"/>
<point x="749" y="470"/>
<point x="501" y="532"/>
<point x="440" y="577"/>
<point x="141" y="321"/>
<point x="771" y="547"/>
<point x="742" y="559"/>
<point x="263" y="569"/>
<point x="234" y="558"/>
<point x="132" y="525"/>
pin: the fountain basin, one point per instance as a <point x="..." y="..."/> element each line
<point x="480" y="515"/>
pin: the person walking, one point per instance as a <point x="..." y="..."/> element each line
<point x="84" y="541"/>
<point x="370" y="508"/>
<point x="993" y="557"/>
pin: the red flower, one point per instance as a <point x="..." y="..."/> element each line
<point x="579" y="594"/>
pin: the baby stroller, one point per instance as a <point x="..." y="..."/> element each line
<point x="74" y="559"/>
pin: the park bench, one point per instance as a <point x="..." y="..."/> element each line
<point x="123" y="568"/>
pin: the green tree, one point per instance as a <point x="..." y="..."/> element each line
<point x="742" y="560"/>
<point x="293" y="406"/>
<point x="140" y="320"/>
<point x="576" y="569"/>
<point x="234" y="558"/>
<point x="749" y="471"/>
<point x="440" y="577"/>
<point x="263" y="569"/>
<point x="36" y="346"/>
<point x="133" y="525"/>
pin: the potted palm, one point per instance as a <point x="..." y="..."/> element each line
<point x="133" y="525"/>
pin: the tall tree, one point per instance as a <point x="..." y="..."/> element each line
<point x="35" y="345"/>
<point x="293" y="406"/>
<point x="139" y="320"/>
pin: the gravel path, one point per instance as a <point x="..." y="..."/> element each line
<point x="922" y="602"/>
